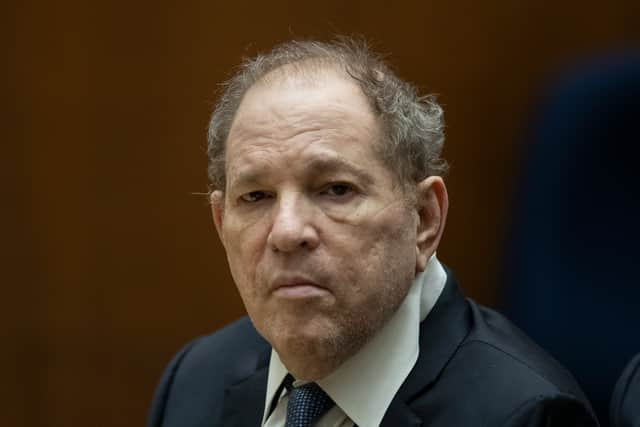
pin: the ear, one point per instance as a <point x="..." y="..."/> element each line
<point x="432" y="205"/>
<point x="217" y="211"/>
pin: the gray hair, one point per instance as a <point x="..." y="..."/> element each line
<point x="413" y="125"/>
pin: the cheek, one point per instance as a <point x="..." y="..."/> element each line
<point x="388" y="230"/>
<point x="393" y="251"/>
<point x="244" y="248"/>
<point x="376" y="255"/>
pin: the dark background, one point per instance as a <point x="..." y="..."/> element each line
<point x="111" y="263"/>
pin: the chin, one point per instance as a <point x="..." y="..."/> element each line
<point x="308" y="357"/>
<point x="303" y="338"/>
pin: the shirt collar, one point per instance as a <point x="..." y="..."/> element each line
<point x="364" y="386"/>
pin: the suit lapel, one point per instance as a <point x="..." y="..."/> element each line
<point x="441" y="333"/>
<point x="244" y="401"/>
<point x="400" y="415"/>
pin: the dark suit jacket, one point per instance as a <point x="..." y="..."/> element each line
<point x="625" y="403"/>
<point x="474" y="369"/>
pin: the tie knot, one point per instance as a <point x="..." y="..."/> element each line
<point x="306" y="404"/>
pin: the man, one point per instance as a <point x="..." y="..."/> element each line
<point x="327" y="194"/>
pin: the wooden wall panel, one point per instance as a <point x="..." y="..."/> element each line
<point x="113" y="263"/>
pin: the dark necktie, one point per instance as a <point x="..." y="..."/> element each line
<point x="306" y="405"/>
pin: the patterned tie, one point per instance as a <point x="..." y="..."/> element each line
<point x="306" y="405"/>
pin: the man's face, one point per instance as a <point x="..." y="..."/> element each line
<point x="319" y="236"/>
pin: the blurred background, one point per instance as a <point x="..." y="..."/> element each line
<point x="111" y="262"/>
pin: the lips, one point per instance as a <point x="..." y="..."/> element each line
<point x="296" y="287"/>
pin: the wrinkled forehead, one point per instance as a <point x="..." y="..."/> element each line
<point x="290" y="99"/>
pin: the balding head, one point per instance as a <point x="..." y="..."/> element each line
<point x="412" y="126"/>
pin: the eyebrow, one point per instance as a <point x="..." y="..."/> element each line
<point x="318" y="164"/>
<point x="325" y="164"/>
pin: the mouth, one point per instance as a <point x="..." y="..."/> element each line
<point x="297" y="288"/>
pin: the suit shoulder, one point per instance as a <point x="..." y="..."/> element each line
<point x="229" y="352"/>
<point x="192" y="387"/>
<point x="495" y="339"/>
<point x="625" y="402"/>
<point x="498" y="374"/>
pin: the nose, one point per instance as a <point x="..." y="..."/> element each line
<point x="292" y="227"/>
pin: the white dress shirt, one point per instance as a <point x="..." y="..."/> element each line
<point x="364" y="386"/>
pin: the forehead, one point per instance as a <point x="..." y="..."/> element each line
<point x="311" y="78"/>
<point x="284" y="105"/>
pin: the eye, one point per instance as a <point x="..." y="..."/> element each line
<point x="253" y="196"/>
<point x="338" y="190"/>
